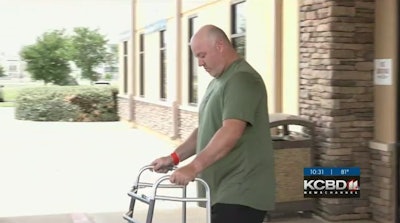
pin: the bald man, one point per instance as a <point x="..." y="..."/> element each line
<point x="232" y="142"/>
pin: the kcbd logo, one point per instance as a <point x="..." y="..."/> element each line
<point x="336" y="185"/>
<point x="331" y="182"/>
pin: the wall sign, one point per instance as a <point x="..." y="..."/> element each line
<point x="157" y="26"/>
<point x="383" y="72"/>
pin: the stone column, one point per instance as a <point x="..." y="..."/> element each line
<point x="336" y="91"/>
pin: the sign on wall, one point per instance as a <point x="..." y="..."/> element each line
<point x="383" y="72"/>
<point x="157" y="26"/>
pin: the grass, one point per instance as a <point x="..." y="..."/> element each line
<point x="10" y="93"/>
<point x="7" y="104"/>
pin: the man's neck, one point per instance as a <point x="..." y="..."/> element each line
<point x="228" y="63"/>
<point x="230" y="60"/>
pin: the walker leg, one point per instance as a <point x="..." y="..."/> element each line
<point x="150" y="211"/>
<point x="132" y="204"/>
<point x="184" y="205"/>
<point x="150" y="200"/>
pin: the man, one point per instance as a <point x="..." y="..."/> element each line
<point x="232" y="142"/>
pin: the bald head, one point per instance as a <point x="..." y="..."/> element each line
<point x="212" y="48"/>
<point x="211" y="34"/>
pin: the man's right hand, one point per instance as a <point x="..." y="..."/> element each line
<point x="163" y="164"/>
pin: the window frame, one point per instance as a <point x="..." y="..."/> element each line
<point x="192" y="74"/>
<point x="141" y="64"/>
<point x="163" y="65"/>
<point x="125" y="66"/>
<point x="235" y="35"/>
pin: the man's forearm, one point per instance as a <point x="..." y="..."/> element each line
<point x="188" y="147"/>
<point x="220" y="145"/>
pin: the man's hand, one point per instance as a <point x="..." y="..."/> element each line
<point x="183" y="175"/>
<point x="163" y="164"/>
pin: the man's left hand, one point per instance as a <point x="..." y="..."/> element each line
<point x="183" y="175"/>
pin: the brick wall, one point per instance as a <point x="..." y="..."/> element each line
<point x="188" y="120"/>
<point x="154" y="116"/>
<point x="123" y="108"/>
<point x="382" y="193"/>
<point x="158" y="117"/>
<point x="336" y="91"/>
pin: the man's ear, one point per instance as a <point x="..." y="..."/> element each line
<point x="219" y="45"/>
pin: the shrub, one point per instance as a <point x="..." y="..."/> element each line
<point x="67" y="103"/>
<point x="68" y="81"/>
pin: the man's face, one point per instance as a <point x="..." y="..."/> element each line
<point x="208" y="55"/>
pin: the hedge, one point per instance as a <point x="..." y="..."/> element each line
<point x="67" y="103"/>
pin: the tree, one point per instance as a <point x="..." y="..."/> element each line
<point x="47" y="59"/>
<point x="88" y="51"/>
<point x="112" y="55"/>
<point x="2" y="71"/>
<point x="111" y="64"/>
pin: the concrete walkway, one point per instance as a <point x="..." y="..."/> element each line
<point x="80" y="173"/>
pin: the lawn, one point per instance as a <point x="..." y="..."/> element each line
<point x="10" y="92"/>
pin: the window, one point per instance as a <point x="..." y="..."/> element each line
<point x="12" y="68"/>
<point x="163" y="66"/>
<point x="193" y="64"/>
<point x="141" y="65"/>
<point x="125" y="66"/>
<point x="238" y="28"/>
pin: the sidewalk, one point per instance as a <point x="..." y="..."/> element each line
<point x="161" y="216"/>
<point x="51" y="168"/>
<point x="60" y="172"/>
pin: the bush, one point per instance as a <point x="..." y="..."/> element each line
<point x="68" y="81"/>
<point x="72" y="103"/>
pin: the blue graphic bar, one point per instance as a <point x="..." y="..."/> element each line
<point x="331" y="171"/>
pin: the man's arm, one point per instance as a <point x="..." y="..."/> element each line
<point x="188" y="147"/>
<point x="219" y="146"/>
<point x="184" y="151"/>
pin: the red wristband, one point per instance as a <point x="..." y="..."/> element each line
<point x="175" y="158"/>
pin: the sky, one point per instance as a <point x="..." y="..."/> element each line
<point x="22" y="21"/>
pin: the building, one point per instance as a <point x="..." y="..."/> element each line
<point x="109" y="70"/>
<point x="333" y="62"/>
<point x="13" y="66"/>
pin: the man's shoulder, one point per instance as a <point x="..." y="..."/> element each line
<point x="246" y="72"/>
<point x="245" y="68"/>
<point x="245" y="65"/>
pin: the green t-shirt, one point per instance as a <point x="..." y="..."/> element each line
<point x="246" y="175"/>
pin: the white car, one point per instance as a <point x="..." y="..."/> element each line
<point x="101" y="83"/>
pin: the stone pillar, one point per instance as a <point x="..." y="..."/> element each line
<point x="336" y="91"/>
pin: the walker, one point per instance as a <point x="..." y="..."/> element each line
<point x="150" y="199"/>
